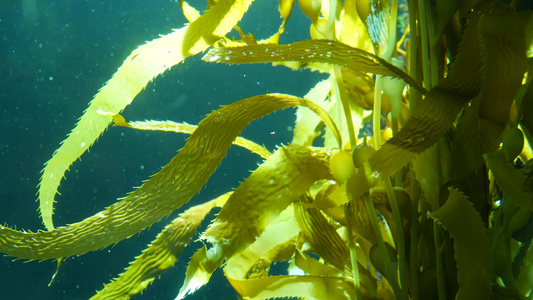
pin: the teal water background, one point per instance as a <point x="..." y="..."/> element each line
<point x="54" y="56"/>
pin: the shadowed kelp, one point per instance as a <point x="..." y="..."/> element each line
<point x="440" y="209"/>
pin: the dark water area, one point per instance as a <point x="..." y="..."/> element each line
<point x="54" y="56"/>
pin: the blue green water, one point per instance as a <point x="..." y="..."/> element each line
<point x="54" y="56"/>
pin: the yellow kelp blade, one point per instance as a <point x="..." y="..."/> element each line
<point x="311" y="51"/>
<point x="306" y="123"/>
<point x="273" y="186"/>
<point x="118" y="120"/>
<point x="163" y="193"/>
<point x="190" y="13"/>
<point x="144" y="64"/>
<point x="471" y="246"/>
<point x="284" y="177"/>
<point x="282" y="231"/>
<point x="266" y="248"/>
<point x="323" y="238"/>
<point x="308" y="286"/>
<point x="162" y="253"/>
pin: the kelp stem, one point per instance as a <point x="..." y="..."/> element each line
<point x="425" y="43"/>
<point x="433" y="62"/>
<point x="342" y="100"/>
<point x="376" y="117"/>
<point x="400" y="241"/>
<point x="392" y="30"/>
<point x="391" y="274"/>
<point x="414" y="270"/>
<point x="441" y="287"/>
<point x="348" y="213"/>
<point x="414" y="95"/>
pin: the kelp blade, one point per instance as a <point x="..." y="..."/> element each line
<point x="143" y="65"/>
<point x="436" y="114"/>
<point x="283" y="230"/>
<point x="161" y="255"/>
<point x="322" y="236"/>
<point x="471" y="245"/>
<point x="163" y="193"/>
<point x="309" y="286"/>
<point x="311" y="51"/>
<point x="254" y="205"/>
<point x="118" y="120"/>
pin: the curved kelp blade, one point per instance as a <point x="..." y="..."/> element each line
<point x="311" y="51"/>
<point x="278" y="240"/>
<point x="152" y="125"/>
<point x="471" y="245"/>
<point x="322" y="236"/>
<point x="163" y="193"/>
<point x="306" y="125"/>
<point x="143" y="65"/>
<point x="161" y="255"/>
<point x="504" y="42"/>
<point x="254" y="205"/>
<point x="510" y="180"/>
<point x="284" y="286"/>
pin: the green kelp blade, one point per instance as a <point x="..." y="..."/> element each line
<point x="140" y="67"/>
<point x="254" y="205"/>
<point x="311" y="51"/>
<point x="510" y="180"/>
<point x="307" y="123"/>
<point x="153" y="125"/>
<point x="161" y="255"/>
<point x="163" y="193"/>
<point x="471" y="245"/>
<point x="503" y="49"/>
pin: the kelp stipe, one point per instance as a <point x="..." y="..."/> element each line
<point x="434" y="204"/>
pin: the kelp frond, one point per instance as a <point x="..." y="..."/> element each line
<point x="433" y="201"/>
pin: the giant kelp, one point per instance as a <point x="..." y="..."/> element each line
<point x="437" y="204"/>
